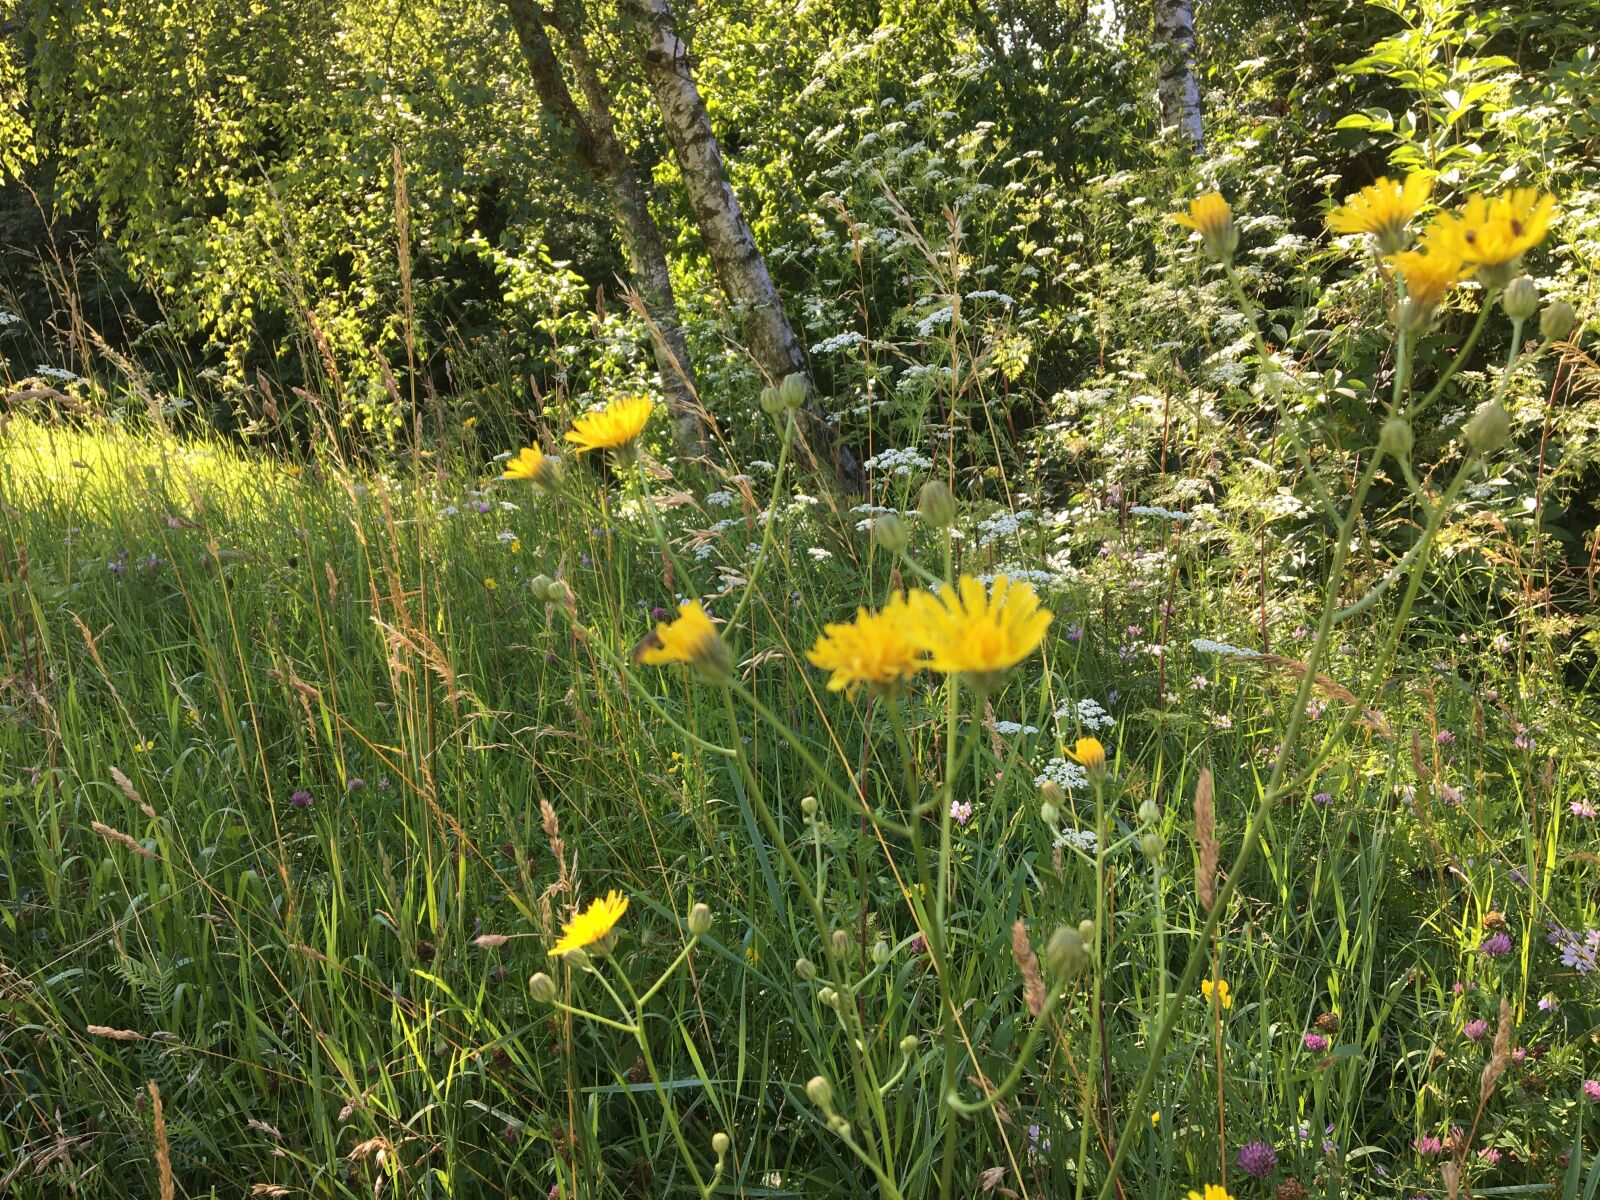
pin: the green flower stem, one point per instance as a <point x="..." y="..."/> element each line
<point x="947" y="1011"/>
<point x="1422" y="406"/>
<point x="667" y="1109"/>
<point x="1090" y="1078"/>
<point x="1024" y="1059"/>
<point x="772" y="519"/>
<point x="595" y="1017"/>
<point x="683" y="955"/>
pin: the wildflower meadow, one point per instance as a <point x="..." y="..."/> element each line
<point x="800" y="600"/>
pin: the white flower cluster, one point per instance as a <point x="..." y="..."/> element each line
<point x="7" y="319"/>
<point x="1002" y="525"/>
<point x="839" y="341"/>
<point x="719" y="499"/>
<point x="933" y="320"/>
<point x="1009" y="728"/>
<point x="1207" y="646"/>
<point x="59" y="374"/>
<point x="1166" y="514"/>
<point x="899" y="462"/>
<point x="1079" y="839"/>
<point x="1086" y="714"/>
<point x="1019" y="574"/>
<point x="1064" y="773"/>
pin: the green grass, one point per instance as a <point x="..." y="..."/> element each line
<point x="306" y="984"/>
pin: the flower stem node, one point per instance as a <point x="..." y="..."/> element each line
<point x="1396" y="439"/>
<point x="1557" y="321"/>
<point x="1489" y="428"/>
<point x="1521" y="298"/>
<point x="937" y="504"/>
<point x="700" y="920"/>
<point x="890" y="532"/>
<point x="542" y="988"/>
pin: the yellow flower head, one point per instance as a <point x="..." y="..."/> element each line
<point x="1210" y="217"/>
<point x="873" y="649"/>
<point x="614" y="427"/>
<point x="977" y="633"/>
<point x="1213" y="1192"/>
<point x="1429" y="275"/>
<point x="1218" y="991"/>
<point x="1089" y="753"/>
<point x="533" y="464"/>
<point x="691" y="639"/>
<point x="1384" y="209"/>
<point x="1493" y="233"/>
<point x="592" y="924"/>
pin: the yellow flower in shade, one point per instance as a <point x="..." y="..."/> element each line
<point x="533" y="464"/>
<point x="1218" y="991"/>
<point x="1384" y="209"/>
<point x="1213" y="1191"/>
<point x="1155" y="1119"/>
<point x="977" y="633"/>
<point x="1429" y="274"/>
<point x="615" y="427"/>
<point x="1494" y="233"/>
<point x="691" y="639"/>
<point x="1210" y="217"/>
<point x="873" y="649"/>
<point x="591" y="925"/>
<point x="1089" y="753"/>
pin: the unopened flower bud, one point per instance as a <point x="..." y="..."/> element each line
<point x="771" y="402"/>
<point x="937" y="504"/>
<point x="908" y="1044"/>
<point x="838" y="943"/>
<point x="1149" y="810"/>
<point x="1396" y="439"/>
<point x="1557" y="320"/>
<point x="578" y="959"/>
<point x="890" y="532"/>
<point x="700" y="920"/>
<point x="809" y="806"/>
<point x="1151" y="843"/>
<point x="558" y="593"/>
<point x="720" y="1143"/>
<point x="1065" y="953"/>
<point x="828" y="997"/>
<point x="1489" y="428"/>
<point x="1050" y="814"/>
<point x="820" y="1092"/>
<point x="794" y="389"/>
<point x="542" y="988"/>
<point x="1521" y="298"/>
<point x="1051" y="793"/>
<point x="1086" y="929"/>
<point x="540" y="586"/>
<point x="880" y="952"/>
<point x="805" y="969"/>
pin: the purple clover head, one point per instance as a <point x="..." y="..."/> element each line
<point x="1496" y="945"/>
<point x="1315" y="1043"/>
<point x="300" y="799"/>
<point x="1475" y="1031"/>
<point x="1591" y="1089"/>
<point x="1257" y="1159"/>
<point x="1428" y="1145"/>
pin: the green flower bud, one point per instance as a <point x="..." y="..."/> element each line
<point x="908" y="1044"/>
<point x="1050" y="814"/>
<point x="794" y="389"/>
<point x="838" y="943"/>
<point x="820" y="1092"/>
<point x="540" y="586"/>
<point x="937" y="504"/>
<point x="1065" y="954"/>
<point x="1151" y="843"/>
<point x="578" y="959"/>
<point x="720" y="1144"/>
<point x="805" y="969"/>
<point x="558" y="593"/>
<point x="542" y="988"/>
<point x="828" y="997"/>
<point x="1489" y="428"/>
<point x="1557" y="321"/>
<point x="890" y="532"/>
<point x="880" y="952"/>
<point x="700" y="920"/>
<point x="1086" y="929"/>
<point x="809" y="806"/>
<point x="1051" y="793"/>
<point x="1396" y="439"/>
<point x="771" y="402"/>
<point x="1149" y="811"/>
<point x="1521" y="298"/>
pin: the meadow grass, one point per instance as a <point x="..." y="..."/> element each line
<point x="305" y="764"/>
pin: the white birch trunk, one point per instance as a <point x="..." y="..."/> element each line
<point x="1178" y="90"/>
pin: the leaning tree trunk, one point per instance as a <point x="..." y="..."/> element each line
<point x="599" y="152"/>
<point x="739" y="265"/>
<point x="1178" y="89"/>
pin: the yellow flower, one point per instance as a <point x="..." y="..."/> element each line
<point x="469" y="422"/>
<point x="1493" y="233"/>
<point x="592" y="924"/>
<point x="1210" y="217"/>
<point x="1384" y="209"/>
<point x="1090" y="753"/>
<point x="977" y="634"/>
<point x="489" y="582"/>
<point x="1217" y="990"/>
<point x="144" y="747"/>
<point x="615" y="427"/>
<point x="873" y="649"/>
<point x="1428" y="275"/>
<point x="1155" y="1119"/>
<point x="533" y="464"/>
<point x="1213" y="1192"/>
<point x="691" y="639"/>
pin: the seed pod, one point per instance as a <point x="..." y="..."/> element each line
<point x="880" y="952"/>
<point x="1065" y="954"/>
<point x="838" y="943"/>
<point x="771" y="402"/>
<point x="540" y="586"/>
<point x="908" y="1044"/>
<point x="1489" y="428"/>
<point x="720" y="1143"/>
<point x="558" y="593"/>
